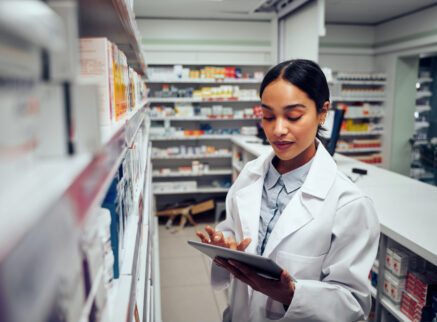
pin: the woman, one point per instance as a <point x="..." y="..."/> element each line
<point x="295" y="207"/>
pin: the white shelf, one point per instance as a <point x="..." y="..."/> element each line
<point x="117" y="305"/>
<point x="373" y="291"/>
<point x="202" y="118"/>
<point x="193" y="137"/>
<point x="364" y="117"/>
<point x="357" y="99"/>
<point x="360" y="133"/>
<point x="393" y="309"/>
<point x="217" y="172"/>
<point x="198" y="190"/>
<point x="204" y="156"/>
<point x="204" y="81"/>
<point x="199" y="100"/>
<point x="423" y="108"/>
<point x="423" y="80"/>
<point x="422" y="94"/>
<point x="359" y="82"/>
<point x="359" y="150"/>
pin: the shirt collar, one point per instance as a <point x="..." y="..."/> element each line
<point x="292" y="180"/>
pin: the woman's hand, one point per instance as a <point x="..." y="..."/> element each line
<point x="281" y="291"/>
<point x="216" y="238"/>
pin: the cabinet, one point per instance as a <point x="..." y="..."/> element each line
<point x="362" y="97"/>
<point x="54" y="262"/>
<point x="195" y="111"/>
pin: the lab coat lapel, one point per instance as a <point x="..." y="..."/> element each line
<point x="308" y="202"/>
<point x="249" y="207"/>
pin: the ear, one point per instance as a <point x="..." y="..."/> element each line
<point x="324" y="111"/>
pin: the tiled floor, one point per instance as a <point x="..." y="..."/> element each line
<point x="186" y="293"/>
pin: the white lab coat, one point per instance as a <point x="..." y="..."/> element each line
<point x="326" y="238"/>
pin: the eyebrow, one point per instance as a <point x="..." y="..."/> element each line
<point x="288" y="107"/>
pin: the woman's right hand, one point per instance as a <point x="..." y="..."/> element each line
<point x="216" y="238"/>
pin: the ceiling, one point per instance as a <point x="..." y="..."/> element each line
<point x="369" y="12"/>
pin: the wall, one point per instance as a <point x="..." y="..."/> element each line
<point x="348" y="48"/>
<point x="300" y="34"/>
<point x="171" y="41"/>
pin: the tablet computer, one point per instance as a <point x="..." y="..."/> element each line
<point x="262" y="265"/>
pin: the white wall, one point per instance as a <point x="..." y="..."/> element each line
<point x="170" y="41"/>
<point x="301" y="33"/>
<point x="348" y="48"/>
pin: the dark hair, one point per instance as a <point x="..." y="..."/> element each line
<point x="304" y="74"/>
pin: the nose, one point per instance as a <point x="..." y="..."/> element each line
<point x="280" y="128"/>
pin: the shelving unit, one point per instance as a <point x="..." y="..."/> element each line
<point x="48" y="267"/>
<point x="227" y="114"/>
<point x="361" y="96"/>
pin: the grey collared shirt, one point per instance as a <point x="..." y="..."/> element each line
<point x="277" y="192"/>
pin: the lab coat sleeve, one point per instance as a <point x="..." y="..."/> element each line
<point x="220" y="278"/>
<point x="343" y="293"/>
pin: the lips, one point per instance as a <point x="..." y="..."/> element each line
<point x="283" y="145"/>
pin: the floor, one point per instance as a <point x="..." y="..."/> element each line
<point x="186" y="293"/>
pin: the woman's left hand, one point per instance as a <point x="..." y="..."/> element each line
<point x="281" y="291"/>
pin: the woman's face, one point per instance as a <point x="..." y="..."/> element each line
<point x="290" y="122"/>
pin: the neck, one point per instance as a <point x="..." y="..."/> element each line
<point x="284" y="166"/>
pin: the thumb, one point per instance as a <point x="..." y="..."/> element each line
<point x="243" y="245"/>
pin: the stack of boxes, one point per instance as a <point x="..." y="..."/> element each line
<point x="120" y="87"/>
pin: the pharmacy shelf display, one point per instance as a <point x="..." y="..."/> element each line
<point x="78" y="240"/>
<point x="421" y="166"/>
<point x="195" y="111"/>
<point x="362" y="97"/>
<point x="403" y="276"/>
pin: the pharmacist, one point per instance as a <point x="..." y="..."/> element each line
<point x="295" y="207"/>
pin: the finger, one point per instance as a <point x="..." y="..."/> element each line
<point x="202" y="237"/>
<point x="243" y="245"/>
<point x="238" y="274"/>
<point x="285" y="277"/>
<point x="242" y="268"/>
<point x="218" y="238"/>
<point x="210" y="232"/>
<point x="231" y="243"/>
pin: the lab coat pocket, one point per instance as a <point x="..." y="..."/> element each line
<point x="301" y="267"/>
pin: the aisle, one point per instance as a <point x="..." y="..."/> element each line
<point x="186" y="294"/>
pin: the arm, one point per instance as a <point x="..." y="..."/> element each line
<point x="343" y="293"/>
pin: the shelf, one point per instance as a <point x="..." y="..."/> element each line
<point x="205" y="156"/>
<point x="423" y="80"/>
<point x="217" y="172"/>
<point x="422" y="94"/>
<point x="393" y="309"/>
<point x="357" y="99"/>
<point x="359" y="150"/>
<point x="373" y="291"/>
<point x="359" y="82"/>
<point x="115" y="21"/>
<point x="193" y="137"/>
<point x="204" y="81"/>
<point x="203" y="118"/>
<point x="117" y="305"/>
<point x="237" y="166"/>
<point x="359" y="133"/>
<point x="363" y="117"/>
<point x="199" y="100"/>
<point x="198" y="190"/>
<point x="423" y="108"/>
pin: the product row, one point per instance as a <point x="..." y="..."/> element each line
<point x="361" y="76"/>
<point x="357" y="144"/>
<point x="196" y="167"/>
<point x="361" y="126"/>
<point x="209" y="72"/>
<point x="373" y="158"/>
<point x="189" y="151"/>
<point x="162" y="132"/>
<point x="363" y="110"/>
<point x="120" y="87"/>
<point x="215" y="111"/>
<point x="409" y="283"/>
<point x="222" y="91"/>
<point x="191" y="185"/>
<point x="359" y="93"/>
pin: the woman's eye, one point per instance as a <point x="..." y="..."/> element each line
<point x="268" y="118"/>
<point x="293" y="118"/>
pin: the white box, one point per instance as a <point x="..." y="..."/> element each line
<point x="96" y="65"/>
